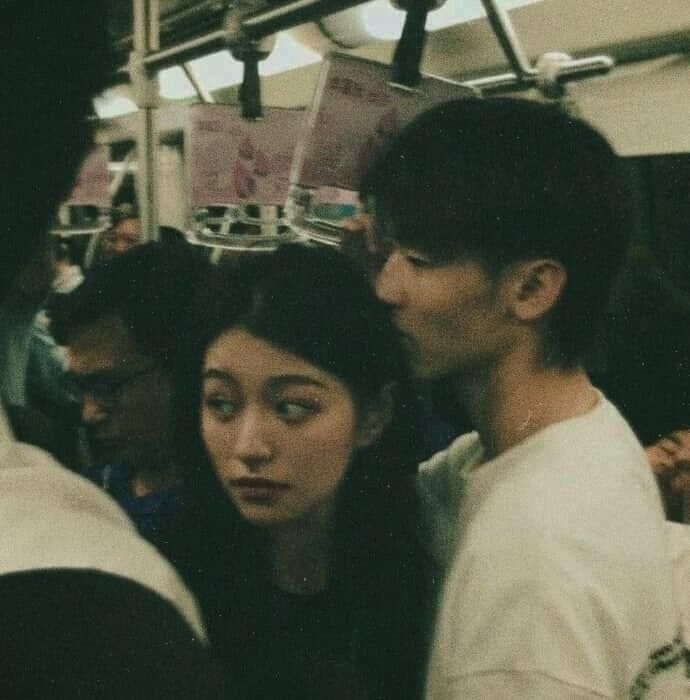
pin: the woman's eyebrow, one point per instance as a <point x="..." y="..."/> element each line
<point x="283" y="380"/>
<point x="218" y="374"/>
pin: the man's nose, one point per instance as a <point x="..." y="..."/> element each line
<point x="388" y="282"/>
<point x="91" y="411"/>
<point x="253" y="447"/>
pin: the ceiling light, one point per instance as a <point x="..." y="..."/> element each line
<point x="383" y="21"/>
<point x="217" y="70"/>
<point x="112" y="104"/>
<point x="287" y="54"/>
<point x="174" y="84"/>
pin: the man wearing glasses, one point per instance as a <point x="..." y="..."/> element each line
<point x="123" y="333"/>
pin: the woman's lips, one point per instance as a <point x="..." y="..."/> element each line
<point x="256" y="489"/>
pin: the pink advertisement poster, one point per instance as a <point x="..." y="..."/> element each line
<point x="232" y="161"/>
<point x="93" y="181"/>
<point x="354" y="114"/>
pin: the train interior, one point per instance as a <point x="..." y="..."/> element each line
<point x="229" y="121"/>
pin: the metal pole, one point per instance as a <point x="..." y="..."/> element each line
<point x="185" y="51"/>
<point x="569" y="70"/>
<point x="507" y="38"/>
<point x="146" y="39"/>
<point x="201" y="91"/>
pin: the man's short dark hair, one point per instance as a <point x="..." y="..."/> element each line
<point x="504" y="180"/>
<point x="123" y="211"/>
<point x="149" y="287"/>
<point x="55" y="58"/>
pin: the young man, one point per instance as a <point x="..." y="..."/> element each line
<point x="87" y="608"/>
<point x="498" y="226"/>
<point x="124" y="329"/>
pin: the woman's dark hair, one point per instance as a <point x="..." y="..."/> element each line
<point x="317" y="304"/>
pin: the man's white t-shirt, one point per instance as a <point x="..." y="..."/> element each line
<point x="560" y="585"/>
<point x="53" y="519"/>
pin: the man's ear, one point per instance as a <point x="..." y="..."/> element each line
<point x="535" y="287"/>
<point x="376" y="417"/>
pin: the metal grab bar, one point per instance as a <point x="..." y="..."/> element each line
<point x="242" y="28"/>
<point x="507" y="38"/>
<point x="567" y="70"/>
<point x="549" y="77"/>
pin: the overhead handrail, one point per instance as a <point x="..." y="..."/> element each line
<point x="187" y="50"/>
<point x="242" y="26"/>
<point x="507" y="38"/>
<point x="568" y="70"/>
<point x="552" y="71"/>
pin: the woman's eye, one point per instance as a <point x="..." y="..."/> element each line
<point x="221" y="407"/>
<point x="295" y="411"/>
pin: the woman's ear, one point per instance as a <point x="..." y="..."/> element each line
<point x="536" y="287"/>
<point x="376" y="417"/>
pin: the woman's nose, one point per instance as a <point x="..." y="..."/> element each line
<point x="252" y="447"/>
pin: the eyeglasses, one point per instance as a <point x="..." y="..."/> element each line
<point x="106" y="390"/>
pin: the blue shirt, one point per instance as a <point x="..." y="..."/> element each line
<point x="148" y="512"/>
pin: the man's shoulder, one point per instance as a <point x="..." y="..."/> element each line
<point x="440" y="487"/>
<point x="577" y="460"/>
<point x="82" y="633"/>
<point x="450" y="465"/>
<point x="52" y="518"/>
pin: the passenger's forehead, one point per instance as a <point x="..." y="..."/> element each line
<point x="243" y="356"/>
<point x="130" y="225"/>
<point x="102" y="345"/>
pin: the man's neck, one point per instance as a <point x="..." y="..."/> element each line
<point x="518" y="398"/>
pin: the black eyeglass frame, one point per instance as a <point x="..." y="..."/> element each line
<point x="104" y="390"/>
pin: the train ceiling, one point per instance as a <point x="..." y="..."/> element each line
<point x="634" y="33"/>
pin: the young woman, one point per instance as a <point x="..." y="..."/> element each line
<point x="303" y="548"/>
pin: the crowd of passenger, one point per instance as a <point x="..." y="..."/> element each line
<point x="263" y="489"/>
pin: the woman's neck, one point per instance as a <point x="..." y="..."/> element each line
<point x="301" y="555"/>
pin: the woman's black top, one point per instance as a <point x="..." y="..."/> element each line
<point x="365" y="637"/>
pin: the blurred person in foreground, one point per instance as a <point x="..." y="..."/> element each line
<point x="88" y="608"/>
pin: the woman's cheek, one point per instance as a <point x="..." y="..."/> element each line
<point x="212" y="435"/>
